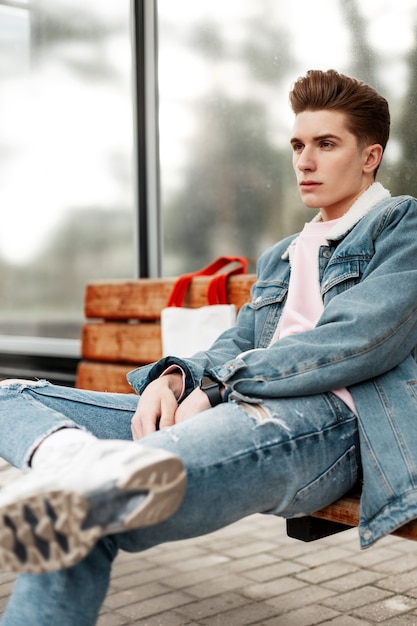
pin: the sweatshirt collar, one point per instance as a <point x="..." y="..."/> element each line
<point x="362" y="205"/>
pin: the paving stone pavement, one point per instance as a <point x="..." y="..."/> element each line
<point x="252" y="573"/>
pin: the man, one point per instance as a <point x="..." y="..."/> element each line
<point x="313" y="388"/>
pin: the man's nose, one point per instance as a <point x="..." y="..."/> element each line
<point x="305" y="160"/>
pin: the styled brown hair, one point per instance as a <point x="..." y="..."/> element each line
<point x="367" y="112"/>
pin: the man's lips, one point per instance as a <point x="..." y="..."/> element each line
<point x="309" y="185"/>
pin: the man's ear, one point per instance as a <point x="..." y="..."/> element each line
<point x="373" y="157"/>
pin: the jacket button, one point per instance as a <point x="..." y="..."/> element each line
<point x="327" y="254"/>
<point x="367" y="534"/>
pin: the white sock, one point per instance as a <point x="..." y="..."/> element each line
<point x="50" y="449"/>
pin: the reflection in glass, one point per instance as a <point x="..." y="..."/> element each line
<point x="65" y="160"/>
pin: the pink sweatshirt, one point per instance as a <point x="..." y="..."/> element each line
<point x="304" y="304"/>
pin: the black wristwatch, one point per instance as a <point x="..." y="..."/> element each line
<point x="211" y="388"/>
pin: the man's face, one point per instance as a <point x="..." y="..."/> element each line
<point x="330" y="167"/>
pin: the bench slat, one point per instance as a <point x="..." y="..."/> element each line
<point x="122" y="342"/>
<point x="104" y="377"/>
<point x="346" y="511"/>
<point x="145" y="298"/>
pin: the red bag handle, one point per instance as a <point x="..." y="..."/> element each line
<point x="217" y="293"/>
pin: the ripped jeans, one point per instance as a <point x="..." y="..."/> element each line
<point x="286" y="457"/>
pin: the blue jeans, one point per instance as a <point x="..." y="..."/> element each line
<point x="286" y="457"/>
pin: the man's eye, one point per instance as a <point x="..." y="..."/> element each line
<point x="297" y="147"/>
<point x="326" y="144"/>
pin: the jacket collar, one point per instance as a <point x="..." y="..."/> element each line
<point x="366" y="201"/>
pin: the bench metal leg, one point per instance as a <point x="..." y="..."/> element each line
<point x="312" y="528"/>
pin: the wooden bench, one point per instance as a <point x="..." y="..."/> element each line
<point x="122" y="332"/>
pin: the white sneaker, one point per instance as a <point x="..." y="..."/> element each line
<point x="50" y="518"/>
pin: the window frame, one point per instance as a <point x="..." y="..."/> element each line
<point x="146" y="131"/>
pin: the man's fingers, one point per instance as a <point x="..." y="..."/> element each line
<point x="154" y="413"/>
<point x="136" y="430"/>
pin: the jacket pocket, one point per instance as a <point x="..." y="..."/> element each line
<point x="338" y="479"/>
<point x="342" y="274"/>
<point x="267" y="293"/>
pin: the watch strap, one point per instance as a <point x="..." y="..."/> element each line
<point x="212" y="390"/>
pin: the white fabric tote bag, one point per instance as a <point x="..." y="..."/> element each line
<point x="185" y="331"/>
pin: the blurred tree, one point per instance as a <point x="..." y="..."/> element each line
<point x="74" y="49"/>
<point x="232" y="198"/>
<point x="364" y="62"/>
<point x="403" y="174"/>
<point x="234" y="182"/>
<point x="62" y="32"/>
<point x="51" y="287"/>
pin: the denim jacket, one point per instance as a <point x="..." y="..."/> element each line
<point x="365" y="340"/>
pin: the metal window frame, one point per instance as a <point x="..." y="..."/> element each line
<point x="146" y="130"/>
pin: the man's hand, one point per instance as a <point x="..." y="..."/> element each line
<point x="196" y="402"/>
<point x="157" y="405"/>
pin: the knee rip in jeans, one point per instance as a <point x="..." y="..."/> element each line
<point x="262" y="414"/>
<point x="258" y="411"/>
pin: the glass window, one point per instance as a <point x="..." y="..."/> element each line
<point x="226" y="182"/>
<point x="66" y="192"/>
<point x="225" y="70"/>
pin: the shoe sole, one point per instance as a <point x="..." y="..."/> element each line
<point x="55" y="529"/>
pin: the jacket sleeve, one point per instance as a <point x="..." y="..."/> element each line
<point x="364" y="331"/>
